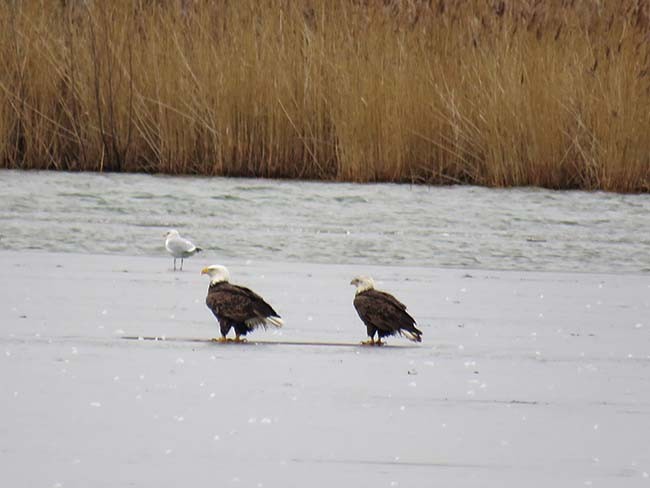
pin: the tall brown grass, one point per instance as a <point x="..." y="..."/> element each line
<point x="499" y="93"/>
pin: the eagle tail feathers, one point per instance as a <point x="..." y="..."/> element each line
<point x="265" y="322"/>
<point x="414" y="335"/>
<point x="275" y="321"/>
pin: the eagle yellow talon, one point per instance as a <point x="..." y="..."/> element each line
<point x="219" y="339"/>
<point x="369" y="342"/>
<point x="239" y="339"/>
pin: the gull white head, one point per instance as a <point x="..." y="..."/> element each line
<point x="363" y="283"/>
<point x="171" y="233"/>
<point x="217" y="273"/>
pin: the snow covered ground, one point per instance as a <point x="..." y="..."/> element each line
<point x="523" y="379"/>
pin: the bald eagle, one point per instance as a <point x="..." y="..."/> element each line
<point x="178" y="247"/>
<point x="236" y="306"/>
<point x="382" y="313"/>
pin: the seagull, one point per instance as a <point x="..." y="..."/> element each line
<point x="179" y="247"/>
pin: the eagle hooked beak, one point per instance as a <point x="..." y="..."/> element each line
<point x="205" y="271"/>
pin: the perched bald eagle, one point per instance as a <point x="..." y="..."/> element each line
<point x="178" y="247"/>
<point x="236" y="306"/>
<point x="382" y="313"/>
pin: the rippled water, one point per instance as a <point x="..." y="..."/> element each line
<point x="528" y="229"/>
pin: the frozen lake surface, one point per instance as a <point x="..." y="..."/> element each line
<point x="523" y="379"/>
<point x="532" y="372"/>
<point x="523" y="229"/>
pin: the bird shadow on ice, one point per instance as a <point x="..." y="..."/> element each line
<point x="266" y="343"/>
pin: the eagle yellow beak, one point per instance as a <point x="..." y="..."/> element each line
<point x="205" y="271"/>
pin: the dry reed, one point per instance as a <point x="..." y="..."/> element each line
<point x="498" y="93"/>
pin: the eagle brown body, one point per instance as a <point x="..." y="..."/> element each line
<point x="237" y="307"/>
<point x="382" y="313"/>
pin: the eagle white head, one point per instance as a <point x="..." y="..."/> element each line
<point x="217" y="273"/>
<point x="363" y="283"/>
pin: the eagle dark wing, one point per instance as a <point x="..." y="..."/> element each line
<point x="237" y="303"/>
<point x="391" y="299"/>
<point x="382" y="311"/>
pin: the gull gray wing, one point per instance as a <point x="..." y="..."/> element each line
<point x="178" y="246"/>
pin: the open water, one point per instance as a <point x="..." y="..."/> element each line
<point x="456" y="226"/>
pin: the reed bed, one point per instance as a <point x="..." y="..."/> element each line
<point x="551" y="93"/>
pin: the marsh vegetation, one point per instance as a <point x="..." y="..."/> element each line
<point x="497" y="93"/>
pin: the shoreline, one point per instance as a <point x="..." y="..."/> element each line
<point x="465" y="271"/>
<point x="333" y="181"/>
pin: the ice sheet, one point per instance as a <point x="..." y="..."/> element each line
<point x="523" y="378"/>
